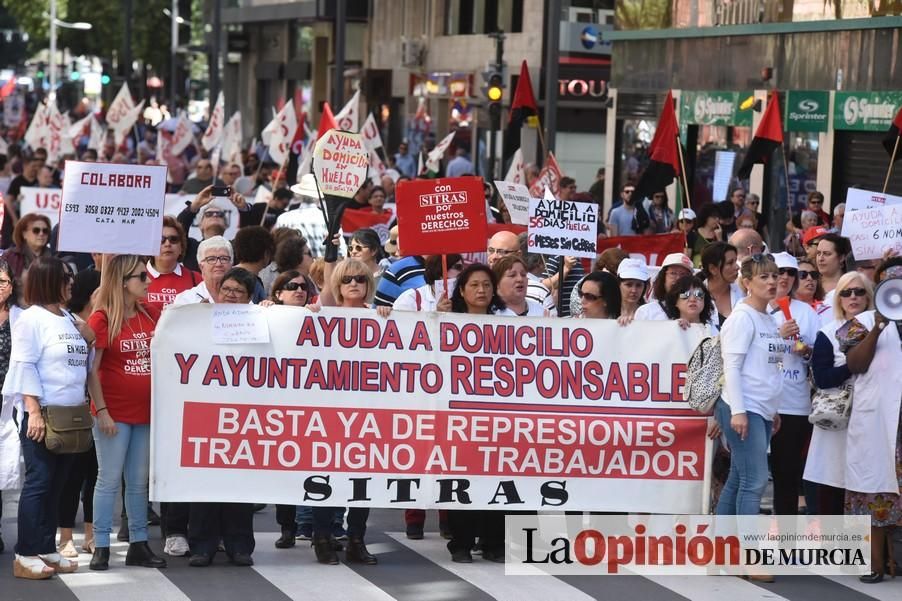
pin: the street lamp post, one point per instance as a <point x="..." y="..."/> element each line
<point x="54" y="23"/>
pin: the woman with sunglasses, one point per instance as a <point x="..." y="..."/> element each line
<point x="811" y="292"/>
<point x="789" y="444"/>
<point x="660" y="215"/>
<point x="689" y="302"/>
<point x="599" y="295"/>
<point x="826" y="461"/>
<point x="432" y="296"/>
<point x="119" y="385"/>
<point x="752" y="348"/>
<point x="720" y="270"/>
<point x="30" y="238"/>
<point x="874" y="436"/>
<point x="675" y="266"/>
<point x="510" y="273"/>
<point x="366" y="247"/>
<point x="167" y="274"/>
<point x="293" y="289"/>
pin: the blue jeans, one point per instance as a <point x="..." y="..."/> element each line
<point x="127" y="453"/>
<point x="304" y="515"/>
<point x="745" y="485"/>
<point x="45" y="477"/>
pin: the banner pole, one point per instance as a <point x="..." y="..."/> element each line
<point x="889" y="170"/>
<point x="444" y="273"/>
<point x="560" y="285"/>
<point x="683" y="172"/>
<point x="786" y="176"/>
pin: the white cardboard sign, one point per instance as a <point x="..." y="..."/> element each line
<point x="239" y="324"/>
<point x="562" y="227"/>
<point x="874" y="231"/>
<point x="857" y="199"/>
<point x="175" y="203"/>
<point x="43" y="201"/>
<point x="112" y="208"/>
<point x="516" y="199"/>
<point x="340" y="163"/>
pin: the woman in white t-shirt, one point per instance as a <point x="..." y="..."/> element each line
<point x="431" y="296"/>
<point x="752" y="349"/>
<point x="48" y="367"/>
<point x="513" y="282"/>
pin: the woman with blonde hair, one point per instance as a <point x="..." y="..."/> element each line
<point x="119" y="386"/>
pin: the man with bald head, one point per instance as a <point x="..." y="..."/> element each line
<point x="502" y="244"/>
<point x="748" y="242"/>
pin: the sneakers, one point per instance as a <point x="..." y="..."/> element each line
<point x="176" y="546"/>
<point x="338" y="532"/>
<point x="305" y="532"/>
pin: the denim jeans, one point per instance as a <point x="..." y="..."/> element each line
<point x="325" y="517"/>
<point x="745" y="485"/>
<point x="45" y="477"/>
<point x="127" y="453"/>
<point x="304" y="515"/>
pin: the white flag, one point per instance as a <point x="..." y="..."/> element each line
<point x="98" y="135"/>
<point x="370" y="132"/>
<point x="516" y="173"/>
<point x="36" y="134"/>
<point x="125" y="124"/>
<point x="78" y="128"/>
<point x="231" y="139"/>
<point x="182" y="136"/>
<point x="436" y="154"/>
<point x="277" y="136"/>
<point x="4" y="147"/>
<point x="349" y="115"/>
<point x="215" y="128"/>
<point x="119" y="110"/>
<point x="307" y="156"/>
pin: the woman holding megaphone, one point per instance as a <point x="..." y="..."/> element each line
<point x="873" y="443"/>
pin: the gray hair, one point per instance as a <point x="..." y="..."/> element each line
<point x="806" y="214"/>
<point x="214" y="243"/>
<point x="840" y="207"/>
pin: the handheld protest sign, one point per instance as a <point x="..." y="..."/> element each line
<point x="516" y="199"/>
<point x="441" y="216"/>
<point x="43" y="201"/>
<point x="562" y="227"/>
<point x="112" y="208"/>
<point x="340" y="163"/>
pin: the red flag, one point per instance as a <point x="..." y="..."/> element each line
<point x="8" y="88"/>
<point x="523" y="96"/>
<point x="664" y="154"/>
<point x="892" y="135"/>
<point x="356" y="219"/>
<point x="768" y="137"/>
<point x="522" y="107"/>
<point x="326" y="122"/>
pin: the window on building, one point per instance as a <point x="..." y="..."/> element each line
<point x="588" y="11"/>
<point x="468" y="17"/>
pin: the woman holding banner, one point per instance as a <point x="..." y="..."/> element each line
<point x="633" y="277"/>
<point x="431" y="297"/>
<point x="674" y="267"/>
<point x="690" y="303"/>
<point x="119" y="385"/>
<point x="599" y="296"/>
<point x="510" y="273"/>
<point x="30" y="238"/>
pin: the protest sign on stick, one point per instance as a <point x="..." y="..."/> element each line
<point x="856" y="199"/>
<point x="43" y="201"/>
<point x="562" y="227"/>
<point x="516" y="199"/>
<point x="112" y="208"/>
<point x="874" y="231"/>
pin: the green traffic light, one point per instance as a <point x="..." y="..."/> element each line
<point x="104" y="79"/>
<point x="39" y="75"/>
<point x="75" y="76"/>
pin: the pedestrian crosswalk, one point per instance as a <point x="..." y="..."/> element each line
<point x="408" y="570"/>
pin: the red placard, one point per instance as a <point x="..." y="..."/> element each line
<point x="654" y="248"/>
<point x="441" y="216"/>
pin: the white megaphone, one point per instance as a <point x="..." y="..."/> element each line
<point x="888" y="299"/>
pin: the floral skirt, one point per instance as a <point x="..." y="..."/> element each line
<point x="884" y="508"/>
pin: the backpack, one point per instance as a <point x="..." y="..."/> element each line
<point x="641" y="221"/>
<point x="704" y="375"/>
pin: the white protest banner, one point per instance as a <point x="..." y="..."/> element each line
<point x="427" y="410"/>
<point x="98" y="134"/>
<point x="112" y="208"/>
<point x="175" y="204"/>
<point x="516" y="199"/>
<point x="856" y="199"/>
<point x="562" y="227"/>
<point x="213" y="133"/>
<point x="874" y="231"/>
<point x="340" y="162"/>
<point x="43" y="201"/>
<point x="239" y="324"/>
<point x="277" y="136"/>
<point x="348" y="117"/>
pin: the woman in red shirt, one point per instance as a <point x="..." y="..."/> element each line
<point x="119" y="385"/>
<point x="165" y="272"/>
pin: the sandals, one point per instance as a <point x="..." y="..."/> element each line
<point x="68" y="550"/>
<point x="31" y="568"/>
<point x="88" y="546"/>
<point x="60" y="564"/>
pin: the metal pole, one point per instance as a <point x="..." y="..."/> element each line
<point x="52" y="62"/>
<point x="173" y="54"/>
<point x="214" y="59"/>
<point x="339" y="83"/>
<point x="127" y="50"/>
<point x="496" y="120"/>
<point x="552" y="42"/>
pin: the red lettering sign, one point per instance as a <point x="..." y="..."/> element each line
<point x="441" y="216"/>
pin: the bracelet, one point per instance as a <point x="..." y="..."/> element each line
<point x="103" y="409"/>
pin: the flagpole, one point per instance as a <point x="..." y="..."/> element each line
<point x="683" y="172"/>
<point x="786" y="176"/>
<point x="278" y="173"/>
<point x="889" y="170"/>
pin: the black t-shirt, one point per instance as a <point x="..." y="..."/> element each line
<point x="15" y="187"/>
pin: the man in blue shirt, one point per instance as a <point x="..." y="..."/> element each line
<point x="405" y="162"/>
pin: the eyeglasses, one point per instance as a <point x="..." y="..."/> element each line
<point x="357" y="248"/>
<point x="589" y="296"/>
<point x="816" y="202"/>
<point x="696" y="293"/>
<point x="214" y="260"/>
<point x="37" y="231"/>
<point x="457" y="266"/>
<point x="141" y="276"/>
<point x="292" y="286"/>
<point x="753" y="203"/>
<point x="856" y="291"/>
<point x="232" y="291"/>
<point x="219" y="214"/>
<point x="500" y="251"/>
<point x="360" y="279"/>
<point x="804" y="275"/>
<point x="788" y="271"/>
<point x="170" y="240"/>
<point x="629" y="190"/>
<point x="5" y="283"/>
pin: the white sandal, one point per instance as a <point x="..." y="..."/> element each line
<point x="68" y="550"/>
<point x="60" y="564"/>
<point x="31" y="568"/>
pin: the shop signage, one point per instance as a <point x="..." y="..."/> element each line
<point x="806" y="110"/>
<point x="865" y="111"/>
<point x="714" y="108"/>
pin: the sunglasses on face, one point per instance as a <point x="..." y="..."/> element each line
<point x="788" y="271"/>
<point x="292" y="286"/>
<point x="141" y="276"/>
<point x="37" y="231"/>
<point x="848" y="292"/>
<point x="695" y="293"/>
<point x="219" y="214"/>
<point x="753" y="203"/>
<point x="360" y="279"/>
<point x="815" y="202"/>
<point x="459" y="266"/>
<point x="357" y="248"/>
<point x="589" y="296"/>
<point x="804" y="275"/>
<point x="170" y="240"/>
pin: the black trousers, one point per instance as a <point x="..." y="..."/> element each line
<point x="174" y="519"/>
<point x="231" y="522"/>
<point x="285" y="517"/>
<point x="323" y="518"/>
<point x="79" y="485"/>
<point x="788" y="450"/>
<point x="830" y="500"/>
<point x="466" y="525"/>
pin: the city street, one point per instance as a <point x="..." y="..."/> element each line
<point x="408" y="570"/>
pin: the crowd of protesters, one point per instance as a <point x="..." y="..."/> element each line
<point x="76" y="329"/>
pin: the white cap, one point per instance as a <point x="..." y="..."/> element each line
<point x="306" y="187"/>
<point x="633" y="269"/>
<point x="678" y="259"/>
<point x="785" y="261"/>
<point x="686" y="214"/>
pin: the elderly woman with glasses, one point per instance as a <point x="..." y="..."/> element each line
<point x="215" y="258"/>
<point x="30" y="238"/>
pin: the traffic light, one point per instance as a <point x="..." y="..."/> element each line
<point x="105" y="78"/>
<point x="494" y="91"/>
<point x="39" y="74"/>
